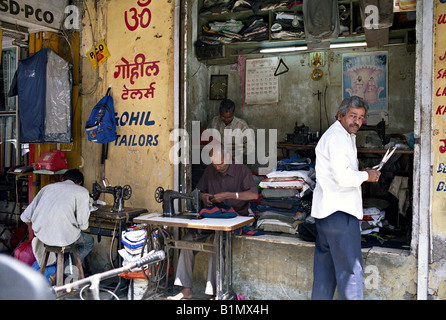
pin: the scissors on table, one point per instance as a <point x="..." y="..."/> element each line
<point x="384" y="159"/>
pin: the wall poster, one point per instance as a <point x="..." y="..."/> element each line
<point x="261" y="86"/>
<point x="365" y="75"/>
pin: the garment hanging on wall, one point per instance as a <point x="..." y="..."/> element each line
<point x="44" y="87"/>
<point x="379" y="35"/>
<point x="321" y="22"/>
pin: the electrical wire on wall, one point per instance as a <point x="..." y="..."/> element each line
<point x="325" y="107"/>
<point x="93" y="89"/>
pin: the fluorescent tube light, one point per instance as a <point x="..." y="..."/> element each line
<point x="303" y="48"/>
<point x="283" y="49"/>
<point x="348" y="45"/>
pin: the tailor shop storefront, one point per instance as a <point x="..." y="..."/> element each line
<point x="138" y="49"/>
<point x="389" y="273"/>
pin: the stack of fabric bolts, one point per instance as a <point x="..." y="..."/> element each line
<point x="285" y="196"/>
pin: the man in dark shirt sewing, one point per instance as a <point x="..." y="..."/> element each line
<point x="222" y="181"/>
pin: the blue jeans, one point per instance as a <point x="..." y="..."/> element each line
<point x="85" y="244"/>
<point x="338" y="258"/>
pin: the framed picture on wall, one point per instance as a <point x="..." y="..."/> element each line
<point x="366" y="75"/>
<point x="218" y="87"/>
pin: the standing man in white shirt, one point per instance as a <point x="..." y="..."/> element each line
<point x="337" y="206"/>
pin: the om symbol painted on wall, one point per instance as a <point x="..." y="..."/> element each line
<point x="141" y="19"/>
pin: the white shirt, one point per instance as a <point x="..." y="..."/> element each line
<point x="338" y="180"/>
<point x="247" y="134"/>
<point x="58" y="213"/>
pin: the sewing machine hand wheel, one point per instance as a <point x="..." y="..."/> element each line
<point x="159" y="192"/>
<point x="126" y="192"/>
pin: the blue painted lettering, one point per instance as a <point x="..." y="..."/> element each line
<point x="134" y="119"/>
<point x="135" y="140"/>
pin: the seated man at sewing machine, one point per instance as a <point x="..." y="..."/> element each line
<point x="222" y="181"/>
<point x="57" y="216"/>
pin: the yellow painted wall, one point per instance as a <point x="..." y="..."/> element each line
<point x="140" y="155"/>
<point x="437" y="274"/>
<point x="439" y="122"/>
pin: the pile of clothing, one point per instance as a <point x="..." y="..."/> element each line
<point x="287" y="26"/>
<point x="285" y="199"/>
<point x="225" y="6"/>
<point x="234" y="31"/>
<point x="372" y="220"/>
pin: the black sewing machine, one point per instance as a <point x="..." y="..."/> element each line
<point x="119" y="194"/>
<point x="168" y="196"/>
<point x="380" y="129"/>
<point x="300" y="135"/>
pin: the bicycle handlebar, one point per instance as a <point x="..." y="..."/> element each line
<point x="155" y="256"/>
<point x="151" y="257"/>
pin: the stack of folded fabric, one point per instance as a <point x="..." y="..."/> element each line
<point x="222" y="32"/>
<point x="293" y="173"/>
<point x="256" y="30"/>
<point x="216" y="7"/>
<point x="285" y="196"/>
<point x="223" y="6"/>
<point x="233" y="31"/>
<point x="233" y="26"/>
<point x="288" y="26"/>
<point x="281" y="210"/>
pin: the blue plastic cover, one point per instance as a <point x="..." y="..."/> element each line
<point x="44" y="87"/>
<point x="31" y="89"/>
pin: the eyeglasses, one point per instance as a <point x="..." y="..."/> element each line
<point x="355" y="117"/>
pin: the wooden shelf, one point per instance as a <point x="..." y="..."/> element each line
<point x="234" y="49"/>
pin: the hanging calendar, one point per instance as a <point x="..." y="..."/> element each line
<point x="261" y="85"/>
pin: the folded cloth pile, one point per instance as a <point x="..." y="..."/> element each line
<point x="256" y="30"/>
<point x="220" y="210"/>
<point x="214" y="7"/>
<point x="288" y="26"/>
<point x="286" y="196"/>
<point x="372" y="220"/>
<point x="294" y="173"/>
<point x="281" y="214"/>
<point x="233" y="31"/>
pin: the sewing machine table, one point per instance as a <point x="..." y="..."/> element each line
<point x="219" y="226"/>
<point x="105" y="222"/>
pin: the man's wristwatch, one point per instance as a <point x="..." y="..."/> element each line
<point x="236" y="195"/>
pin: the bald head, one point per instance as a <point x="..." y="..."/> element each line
<point x="219" y="159"/>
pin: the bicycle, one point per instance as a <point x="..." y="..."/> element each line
<point x="93" y="281"/>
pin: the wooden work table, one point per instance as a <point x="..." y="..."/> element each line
<point x="106" y="213"/>
<point x="226" y="224"/>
